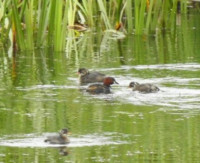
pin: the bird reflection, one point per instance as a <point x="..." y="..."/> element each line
<point x="63" y="151"/>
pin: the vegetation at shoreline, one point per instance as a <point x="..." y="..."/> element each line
<point x="50" y="23"/>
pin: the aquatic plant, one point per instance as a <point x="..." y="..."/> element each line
<point x="45" y="23"/>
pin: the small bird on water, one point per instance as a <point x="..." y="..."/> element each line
<point x="87" y="76"/>
<point x="61" y="138"/>
<point x="144" y="88"/>
<point x="102" y="88"/>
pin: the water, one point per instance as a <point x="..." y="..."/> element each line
<point x="40" y="94"/>
<point x="31" y="140"/>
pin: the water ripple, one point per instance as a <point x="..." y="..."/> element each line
<point x="31" y="140"/>
<point x="178" y="66"/>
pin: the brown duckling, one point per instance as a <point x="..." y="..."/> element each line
<point x="102" y="88"/>
<point x="144" y="88"/>
<point x="59" y="139"/>
<point x="90" y="77"/>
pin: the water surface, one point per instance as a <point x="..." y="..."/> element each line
<point x="40" y="94"/>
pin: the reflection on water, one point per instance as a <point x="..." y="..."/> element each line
<point x="63" y="151"/>
<point x="40" y="93"/>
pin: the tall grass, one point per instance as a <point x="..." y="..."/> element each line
<point x="16" y="25"/>
<point x="39" y="23"/>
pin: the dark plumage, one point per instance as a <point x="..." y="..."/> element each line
<point x="90" y="77"/>
<point x="61" y="138"/>
<point x="102" y="88"/>
<point x="144" y="88"/>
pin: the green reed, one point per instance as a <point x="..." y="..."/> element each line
<point x="39" y="23"/>
<point x="16" y="25"/>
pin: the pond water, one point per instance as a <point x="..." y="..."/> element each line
<point x="40" y="94"/>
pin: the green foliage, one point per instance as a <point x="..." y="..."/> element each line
<point x="44" y="23"/>
<point x="16" y="25"/>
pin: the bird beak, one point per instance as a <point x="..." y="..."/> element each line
<point x="116" y="82"/>
<point x="69" y="133"/>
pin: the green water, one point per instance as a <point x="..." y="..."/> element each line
<point x="40" y="94"/>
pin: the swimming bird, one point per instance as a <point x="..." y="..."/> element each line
<point x="144" y="88"/>
<point x="90" y="77"/>
<point x="61" y="138"/>
<point x="102" y="88"/>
